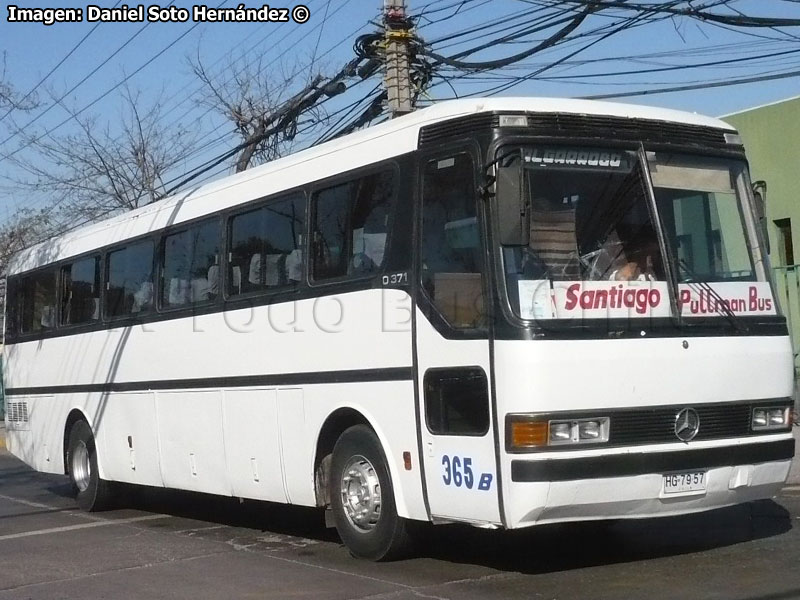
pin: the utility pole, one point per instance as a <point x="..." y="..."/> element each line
<point x="397" y="37"/>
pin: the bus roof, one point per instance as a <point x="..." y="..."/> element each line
<point x="374" y="144"/>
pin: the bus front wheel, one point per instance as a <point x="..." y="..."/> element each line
<point x="91" y="492"/>
<point x="362" y="498"/>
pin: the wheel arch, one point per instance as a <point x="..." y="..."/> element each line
<point x="75" y="415"/>
<point x="334" y="425"/>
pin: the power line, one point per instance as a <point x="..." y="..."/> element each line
<point x="261" y="69"/>
<point x="697" y="13"/>
<point x="203" y="167"/>
<point x="218" y="140"/>
<point x="111" y="89"/>
<point x="571" y="24"/>
<point x="484" y="29"/>
<point x="319" y="37"/>
<point x="350" y="109"/>
<point x="251" y="49"/>
<point x="282" y="118"/>
<point x="81" y="82"/>
<point x="56" y="67"/>
<point x="656" y="12"/>
<point x="715" y="63"/>
<point x="699" y="86"/>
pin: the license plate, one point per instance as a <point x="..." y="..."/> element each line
<point x="689" y="482"/>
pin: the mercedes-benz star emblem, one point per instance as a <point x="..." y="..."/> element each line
<point x="687" y="424"/>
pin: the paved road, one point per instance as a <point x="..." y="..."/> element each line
<point x="177" y="545"/>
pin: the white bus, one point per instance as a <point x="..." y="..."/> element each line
<point x="501" y="312"/>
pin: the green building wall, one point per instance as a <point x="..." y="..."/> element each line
<point x="771" y="136"/>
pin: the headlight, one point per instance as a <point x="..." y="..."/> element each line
<point x="771" y="417"/>
<point x="526" y="432"/>
<point x="579" y="431"/>
<point x="560" y="432"/>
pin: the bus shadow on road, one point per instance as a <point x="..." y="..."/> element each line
<point x="563" y="547"/>
<point x="210" y="510"/>
<point x="535" y="550"/>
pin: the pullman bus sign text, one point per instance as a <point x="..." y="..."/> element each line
<point x="544" y="299"/>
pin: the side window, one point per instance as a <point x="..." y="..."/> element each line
<point x="35" y="301"/>
<point x="190" y="266"/>
<point x="80" y="291"/>
<point x="451" y="247"/>
<point x="266" y="247"/>
<point x="11" y="323"/>
<point x="351" y="226"/>
<point x="457" y="401"/>
<point x="130" y="280"/>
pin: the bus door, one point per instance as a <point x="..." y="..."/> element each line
<point x="452" y="346"/>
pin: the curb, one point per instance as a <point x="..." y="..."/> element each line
<point x="794" y="471"/>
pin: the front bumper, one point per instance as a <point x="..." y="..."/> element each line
<point x="629" y="484"/>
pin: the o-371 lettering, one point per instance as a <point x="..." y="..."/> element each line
<point x="457" y="471"/>
<point x="395" y="278"/>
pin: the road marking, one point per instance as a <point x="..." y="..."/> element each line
<point x="103" y="523"/>
<point x="109" y="572"/>
<point x="28" y="502"/>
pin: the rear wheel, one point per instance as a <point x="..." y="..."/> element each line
<point x="362" y="498"/>
<point x="91" y="492"/>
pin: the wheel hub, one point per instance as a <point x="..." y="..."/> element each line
<point x="361" y="493"/>
<point x="81" y="467"/>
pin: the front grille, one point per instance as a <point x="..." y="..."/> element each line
<point x="657" y="425"/>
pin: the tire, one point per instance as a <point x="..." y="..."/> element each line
<point x="362" y="498"/>
<point x="91" y="493"/>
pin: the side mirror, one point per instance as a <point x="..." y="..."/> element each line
<point x="513" y="212"/>
<point x="760" y="198"/>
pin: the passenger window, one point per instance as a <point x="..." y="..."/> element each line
<point x="35" y="300"/>
<point x="351" y="225"/>
<point x="130" y="280"/>
<point x="190" y="266"/>
<point x="451" y="247"/>
<point x="266" y="247"/>
<point x="11" y="324"/>
<point x="80" y="291"/>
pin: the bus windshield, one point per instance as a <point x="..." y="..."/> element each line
<point x="594" y="249"/>
<point x="702" y="215"/>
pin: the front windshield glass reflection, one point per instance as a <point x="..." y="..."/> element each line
<point x="702" y="216"/>
<point x="594" y="250"/>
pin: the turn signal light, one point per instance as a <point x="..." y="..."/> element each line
<point x="528" y="434"/>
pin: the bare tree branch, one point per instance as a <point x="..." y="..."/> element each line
<point x="10" y="99"/>
<point x="251" y="98"/>
<point x="93" y="172"/>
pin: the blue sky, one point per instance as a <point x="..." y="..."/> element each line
<point x="32" y="50"/>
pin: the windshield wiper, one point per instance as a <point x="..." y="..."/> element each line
<point x="721" y="305"/>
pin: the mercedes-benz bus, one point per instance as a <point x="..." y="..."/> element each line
<point x="501" y="312"/>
